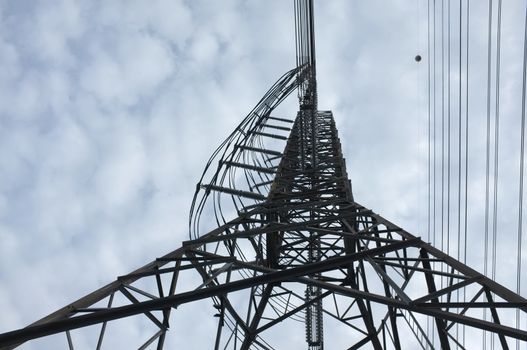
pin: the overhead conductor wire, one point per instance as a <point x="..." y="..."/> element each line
<point x="487" y="162"/>
<point x="520" y="192"/>
<point x="434" y="138"/>
<point x="429" y="139"/>
<point x="496" y="153"/>
<point x="429" y="124"/>
<point x="459" y="149"/>
<point x="434" y="130"/>
<point x="442" y="130"/>
<point x="466" y="148"/>
<point x="448" y="135"/>
<point x="496" y="145"/>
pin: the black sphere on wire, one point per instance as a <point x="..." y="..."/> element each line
<point x="418" y="58"/>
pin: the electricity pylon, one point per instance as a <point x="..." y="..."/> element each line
<point x="300" y="249"/>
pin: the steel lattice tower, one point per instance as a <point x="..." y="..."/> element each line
<point x="299" y="247"/>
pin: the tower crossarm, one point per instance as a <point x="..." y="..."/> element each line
<point x="406" y="260"/>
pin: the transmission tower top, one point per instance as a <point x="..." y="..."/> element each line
<point x="305" y="52"/>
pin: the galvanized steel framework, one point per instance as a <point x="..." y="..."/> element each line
<point x="301" y="248"/>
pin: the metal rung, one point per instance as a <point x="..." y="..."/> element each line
<point x="235" y="192"/>
<point x="277" y="127"/>
<point x="261" y="150"/>
<point x="282" y="119"/>
<point x="263" y="184"/>
<point x="251" y="167"/>
<point x="280" y="137"/>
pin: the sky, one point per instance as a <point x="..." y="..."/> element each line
<point x="110" y="109"/>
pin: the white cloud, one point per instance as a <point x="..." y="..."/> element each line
<point x="124" y="71"/>
<point x="109" y="110"/>
<point x="124" y="168"/>
<point x="55" y="25"/>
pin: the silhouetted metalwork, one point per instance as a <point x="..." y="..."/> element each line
<point x="300" y="246"/>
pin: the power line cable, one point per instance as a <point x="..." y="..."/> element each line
<point x="429" y="141"/>
<point x="520" y="192"/>
<point x="496" y="152"/>
<point x="487" y="162"/>
<point x="434" y="138"/>
<point x="429" y="121"/>
<point x="459" y="146"/>
<point x="434" y="129"/>
<point x="466" y="148"/>
<point x="448" y="131"/>
<point x="442" y="129"/>
<point x="442" y="134"/>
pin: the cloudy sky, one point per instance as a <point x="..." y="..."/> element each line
<point x="110" y="109"/>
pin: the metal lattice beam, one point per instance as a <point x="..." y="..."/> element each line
<point x="301" y="248"/>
